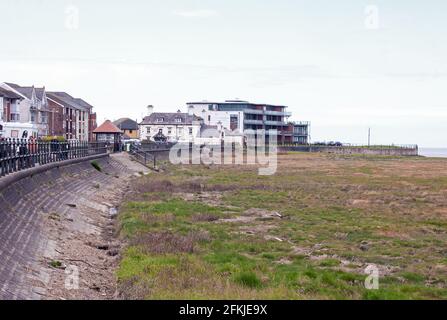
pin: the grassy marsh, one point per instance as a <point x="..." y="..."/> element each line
<point x="307" y="232"/>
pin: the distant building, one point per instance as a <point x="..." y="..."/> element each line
<point x="238" y="115"/>
<point x="174" y="127"/>
<point x="10" y="125"/>
<point x="32" y="111"/>
<point x="32" y="108"/>
<point x="70" y="117"/>
<point x="129" y="127"/>
<point x="301" y="132"/>
<point x="108" y="132"/>
<point x="91" y="123"/>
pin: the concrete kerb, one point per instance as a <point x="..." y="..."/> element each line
<point x="17" y="176"/>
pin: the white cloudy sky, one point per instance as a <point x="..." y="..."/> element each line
<point x="318" y="57"/>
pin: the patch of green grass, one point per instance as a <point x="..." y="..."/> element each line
<point x="329" y="263"/>
<point x="96" y="165"/>
<point x="248" y="279"/>
<point x="413" y="277"/>
<point x="55" y="264"/>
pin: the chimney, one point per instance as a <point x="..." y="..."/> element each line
<point x="191" y="110"/>
<point x="150" y="110"/>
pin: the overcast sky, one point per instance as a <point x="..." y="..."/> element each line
<point x="344" y="65"/>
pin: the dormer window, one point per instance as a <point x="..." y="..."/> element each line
<point x="160" y="120"/>
<point x="178" y="120"/>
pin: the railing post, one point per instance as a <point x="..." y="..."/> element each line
<point x="2" y="160"/>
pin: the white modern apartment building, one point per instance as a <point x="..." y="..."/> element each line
<point x="239" y="116"/>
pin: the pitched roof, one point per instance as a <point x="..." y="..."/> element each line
<point x="84" y="103"/>
<point x="27" y="91"/>
<point x="66" y="100"/>
<point x="170" y="118"/>
<point x="9" y="94"/>
<point x="126" y="124"/>
<point x="107" y="127"/>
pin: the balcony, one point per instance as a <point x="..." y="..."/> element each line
<point x="256" y="122"/>
<point x="253" y="111"/>
<point x="279" y="113"/>
<point x="275" y="123"/>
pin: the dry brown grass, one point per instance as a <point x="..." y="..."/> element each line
<point x="336" y="215"/>
<point x="168" y="242"/>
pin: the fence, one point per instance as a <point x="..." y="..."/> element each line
<point x="393" y="150"/>
<point x="150" y="157"/>
<point x="20" y="154"/>
<point x="351" y="145"/>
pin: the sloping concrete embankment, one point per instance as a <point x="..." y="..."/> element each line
<point x="56" y="229"/>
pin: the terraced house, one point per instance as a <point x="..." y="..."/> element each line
<point x="33" y="112"/>
<point x="31" y="109"/>
<point x="71" y="117"/>
<point x="9" y="114"/>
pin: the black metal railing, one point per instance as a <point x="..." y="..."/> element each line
<point x="20" y="154"/>
<point x="146" y="158"/>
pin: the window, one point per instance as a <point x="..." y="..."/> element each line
<point x="209" y="118"/>
<point x="190" y="131"/>
<point x="130" y="131"/>
<point x="160" y="131"/>
<point x="178" y="120"/>
<point x="148" y="129"/>
<point x="169" y="130"/>
<point x="160" y="119"/>
<point x="234" y="122"/>
<point x="15" y="117"/>
<point x="43" y="118"/>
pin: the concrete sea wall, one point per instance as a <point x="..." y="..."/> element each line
<point x="384" y="151"/>
<point x="35" y="207"/>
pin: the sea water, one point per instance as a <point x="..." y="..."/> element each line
<point x="433" y="152"/>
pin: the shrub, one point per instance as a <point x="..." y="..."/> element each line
<point x="96" y="165"/>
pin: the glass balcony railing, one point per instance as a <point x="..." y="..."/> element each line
<point x="278" y="113"/>
<point x="253" y="111"/>
<point x="275" y="123"/>
<point x="247" y="121"/>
